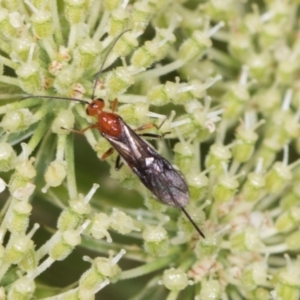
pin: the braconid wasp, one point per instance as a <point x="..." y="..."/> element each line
<point x="154" y="171"/>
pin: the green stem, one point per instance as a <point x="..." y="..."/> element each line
<point x="148" y="268"/>
<point x="71" y="179"/>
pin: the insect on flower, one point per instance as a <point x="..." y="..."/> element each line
<point x="154" y="171"/>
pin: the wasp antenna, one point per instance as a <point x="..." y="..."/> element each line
<point x="56" y="97"/>
<point x="192" y="221"/>
<point x="104" y="60"/>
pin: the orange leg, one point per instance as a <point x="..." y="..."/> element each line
<point x="109" y="152"/>
<point x="114" y="105"/>
<point x="92" y="126"/>
<point x="151" y="125"/>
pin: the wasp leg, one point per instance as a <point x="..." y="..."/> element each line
<point x="82" y="130"/>
<point x="119" y="163"/>
<point x="154" y="135"/>
<point x="151" y="125"/>
<point x="114" y="105"/>
<point x="109" y="152"/>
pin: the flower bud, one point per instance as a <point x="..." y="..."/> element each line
<point x="146" y="55"/>
<point x="99" y="227"/>
<point x="75" y="10"/>
<point x="42" y="24"/>
<point x="17" y="249"/>
<point x="6" y="28"/>
<point x="156" y="241"/>
<point x="225" y="189"/>
<point x="22" y="288"/>
<point x="86" y="55"/>
<point x="277" y="177"/>
<point x="175" y="279"/>
<point x="56" y="173"/>
<point x="158" y="96"/>
<point x="210" y="289"/>
<point x="17" y="120"/>
<point x="254" y="275"/>
<point x="198" y="184"/>
<point x="288" y="220"/>
<point x="248" y="240"/>
<point x="126" y="44"/>
<point x="121" y="222"/>
<point x="7" y="157"/>
<point x="19" y="218"/>
<point x="253" y="187"/>
<point x="72" y="217"/>
<point x="140" y="16"/>
<point x="194" y="46"/>
<point x="30" y="77"/>
<point x="218" y="154"/>
<point x="64" y="120"/>
<point x="208" y="247"/>
<point x="63" y="247"/>
<point x="244" y="146"/>
<point x="118" y="22"/>
<point x="119" y="80"/>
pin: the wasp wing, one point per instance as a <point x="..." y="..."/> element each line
<point x="155" y="172"/>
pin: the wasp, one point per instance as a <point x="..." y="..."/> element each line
<point x="155" y="172"/>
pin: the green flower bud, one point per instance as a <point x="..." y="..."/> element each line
<point x="175" y="279"/>
<point x="277" y="177"/>
<point x="42" y="24"/>
<point x="158" y="95"/>
<point x="17" y="120"/>
<point x="140" y="17"/>
<point x="225" y="189"/>
<point x="121" y="222"/>
<point x="126" y="44"/>
<point x="7" y="30"/>
<point x="194" y="46"/>
<point x="135" y="114"/>
<point x="234" y="100"/>
<point x="64" y="120"/>
<point x="156" y="241"/>
<point x="86" y="55"/>
<point x="119" y="80"/>
<point x="184" y="156"/>
<point x="111" y="5"/>
<point x="17" y="249"/>
<point x="30" y="77"/>
<point x="197" y="215"/>
<point x="19" y="218"/>
<point x="146" y="55"/>
<point x="22" y="47"/>
<point x="239" y="46"/>
<point x="72" y="217"/>
<point x="63" y="247"/>
<point x="99" y="226"/>
<point x="75" y="10"/>
<point x="29" y="261"/>
<point x="288" y="220"/>
<point x="22" y="289"/>
<point x="217" y="156"/>
<point x="7" y="157"/>
<point x="118" y="22"/>
<point x="254" y="275"/>
<point x="253" y="187"/>
<point x="210" y="289"/>
<point x="56" y="173"/>
<point x="288" y="286"/>
<point x="260" y="66"/>
<point x="248" y="240"/>
<point x="244" y="146"/>
<point x="208" y="247"/>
